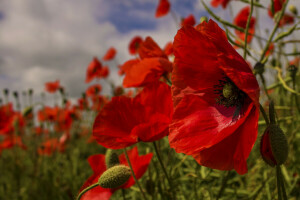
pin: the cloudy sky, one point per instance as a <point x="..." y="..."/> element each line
<point x="46" y="40"/>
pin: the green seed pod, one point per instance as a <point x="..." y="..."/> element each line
<point x="111" y="158"/>
<point x="279" y="144"/>
<point x="115" y="176"/>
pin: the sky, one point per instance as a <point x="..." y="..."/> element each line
<point x="48" y="40"/>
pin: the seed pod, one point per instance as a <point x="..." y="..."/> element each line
<point x="111" y="158"/>
<point x="115" y="176"/>
<point x="293" y="9"/>
<point x="274" y="146"/>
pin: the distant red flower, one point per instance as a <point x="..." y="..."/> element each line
<point x="295" y="62"/>
<point x="134" y="45"/>
<point x="241" y="21"/>
<point x="149" y="48"/>
<point x="97" y="162"/>
<point x="215" y="97"/>
<point x="168" y="49"/>
<point x="10" y="141"/>
<point x="142" y="72"/>
<point x="104" y="72"/>
<point x="9" y="119"/>
<point x="162" y="9"/>
<point x="189" y="20"/>
<point x="216" y="3"/>
<point x="93" y="90"/>
<point x="52" y="87"/>
<point x="143" y="118"/>
<point x="286" y="19"/>
<point x="270" y="49"/>
<point x="93" y="70"/>
<point x="110" y="54"/>
<point x="50" y="146"/>
<point x="48" y="114"/>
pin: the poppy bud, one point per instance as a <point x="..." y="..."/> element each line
<point x="293" y="70"/>
<point x="259" y="68"/>
<point x="111" y="158"/>
<point x="115" y="176"/>
<point x="16" y="94"/>
<point x="30" y="92"/>
<point x="274" y="146"/>
<point x="6" y="91"/>
<point x="203" y="18"/>
<point x="293" y="9"/>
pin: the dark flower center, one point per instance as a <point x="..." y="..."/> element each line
<point x="229" y="94"/>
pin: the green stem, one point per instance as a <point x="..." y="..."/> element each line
<point x="247" y="28"/>
<point x="264" y="85"/>
<point x="278" y="182"/>
<point x="263" y="112"/>
<point x="133" y="174"/>
<point x="123" y="194"/>
<point x="86" y="189"/>
<point x="223" y="186"/>
<point x="273" y="31"/>
<point x="162" y="165"/>
<point x="282" y="185"/>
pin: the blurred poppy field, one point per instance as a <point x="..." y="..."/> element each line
<point x="212" y="114"/>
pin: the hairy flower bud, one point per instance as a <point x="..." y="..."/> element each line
<point x="27" y="111"/>
<point x="111" y="158"/>
<point x="259" y="68"/>
<point x="293" y="9"/>
<point x="115" y="176"/>
<point x="274" y="146"/>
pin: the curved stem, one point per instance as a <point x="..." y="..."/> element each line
<point x="133" y="174"/>
<point x="161" y="164"/>
<point x="263" y="112"/>
<point x="247" y="28"/>
<point x="86" y="189"/>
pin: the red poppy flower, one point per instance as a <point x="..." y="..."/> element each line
<point x="9" y="119"/>
<point x="143" y="118"/>
<point x="270" y="49"/>
<point x="93" y="90"/>
<point x="48" y="114"/>
<point x="93" y="70"/>
<point x="241" y="21"/>
<point x="134" y="45"/>
<point x="216" y="3"/>
<point x="97" y="163"/>
<point x="215" y="97"/>
<point x="52" y="87"/>
<point x="104" y="72"/>
<point x="168" y="49"/>
<point x="142" y="72"/>
<point x="11" y="141"/>
<point x="189" y="20"/>
<point x="110" y="54"/>
<point x="149" y="48"/>
<point x="286" y="19"/>
<point x="162" y="9"/>
<point x="50" y="146"/>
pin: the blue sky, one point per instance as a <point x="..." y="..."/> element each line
<point x="46" y="40"/>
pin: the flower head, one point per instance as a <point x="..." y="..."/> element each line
<point x="215" y="97"/>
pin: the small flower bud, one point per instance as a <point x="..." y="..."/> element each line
<point x="259" y="68"/>
<point x="203" y="18"/>
<point x="111" y="158"/>
<point x="293" y="70"/>
<point x="115" y="176"/>
<point x="274" y="146"/>
<point x="30" y="92"/>
<point x="16" y="94"/>
<point x="293" y="9"/>
<point x="6" y="91"/>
